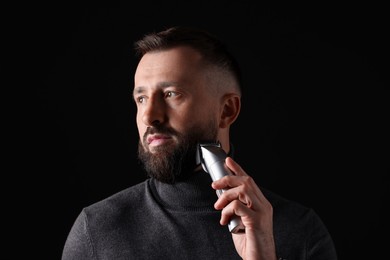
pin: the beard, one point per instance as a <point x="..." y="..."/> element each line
<point x="170" y="164"/>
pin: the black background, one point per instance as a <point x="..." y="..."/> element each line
<point x="313" y="126"/>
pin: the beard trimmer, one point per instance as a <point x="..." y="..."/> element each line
<point x="212" y="158"/>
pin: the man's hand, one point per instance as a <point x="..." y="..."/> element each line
<point x="244" y="199"/>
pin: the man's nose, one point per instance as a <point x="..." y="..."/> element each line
<point x="154" y="112"/>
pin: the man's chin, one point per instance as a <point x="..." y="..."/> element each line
<point x="160" y="149"/>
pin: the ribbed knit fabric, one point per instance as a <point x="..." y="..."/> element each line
<point x="153" y="220"/>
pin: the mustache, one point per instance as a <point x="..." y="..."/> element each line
<point x="159" y="130"/>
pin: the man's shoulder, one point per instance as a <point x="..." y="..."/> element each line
<point x="291" y="214"/>
<point x="284" y="206"/>
<point x="130" y="197"/>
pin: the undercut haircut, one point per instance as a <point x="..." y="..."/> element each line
<point x="212" y="49"/>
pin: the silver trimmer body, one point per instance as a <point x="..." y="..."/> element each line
<point x="212" y="158"/>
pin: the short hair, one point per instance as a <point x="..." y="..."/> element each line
<point x="212" y="49"/>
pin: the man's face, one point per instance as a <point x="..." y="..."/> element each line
<point x="175" y="110"/>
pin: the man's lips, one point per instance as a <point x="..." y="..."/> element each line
<point x="157" y="139"/>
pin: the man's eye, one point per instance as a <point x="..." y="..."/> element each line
<point x="140" y="99"/>
<point x="171" y="94"/>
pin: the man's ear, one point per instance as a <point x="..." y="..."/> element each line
<point x="231" y="105"/>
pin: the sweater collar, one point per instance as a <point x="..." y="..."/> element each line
<point x="193" y="193"/>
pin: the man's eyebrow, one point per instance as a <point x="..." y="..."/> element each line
<point x="164" y="84"/>
<point x="138" y="90"/>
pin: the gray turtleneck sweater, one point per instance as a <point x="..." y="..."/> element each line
<point x="153" y="220"/>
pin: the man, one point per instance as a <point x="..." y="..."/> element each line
<point x="187" y="89"/>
